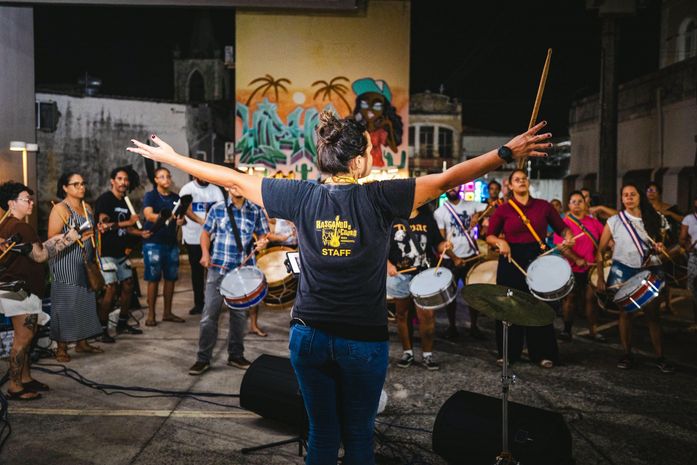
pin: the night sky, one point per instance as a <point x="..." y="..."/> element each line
<point x="489" y="56"/>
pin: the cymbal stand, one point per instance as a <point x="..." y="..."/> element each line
<point x="505" y="457"/>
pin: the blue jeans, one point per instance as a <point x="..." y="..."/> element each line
<point x="341" y="381"/>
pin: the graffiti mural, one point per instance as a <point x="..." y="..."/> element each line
<point x="269" y="140"/>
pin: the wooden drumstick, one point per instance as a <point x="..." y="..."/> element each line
<point x="481" y="217"/>
<point x="87" y="218"/>
<point x="246" y="259"/>
<point x="538" y="98"/>
<point x="65" y="222"/>
<point x="132" y="210"/>
<point x="4" y="217"/>
<point x="512" y="260"/>
<point x="407" y="270"/>
<point x="663" y="251"/>
<point x="557" y="246"/>
<point x="7" y="250"/>
<point x="443" y="253"/>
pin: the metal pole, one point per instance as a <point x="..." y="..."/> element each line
<point x="504" y="385"/>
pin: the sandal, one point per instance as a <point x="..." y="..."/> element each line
<point x="86" y="348"/>
<point x="62" y="356"/>
<point x="150" y="323"/>
<point x="173" y="318"/>
<point x="258" y="332"/>
<point x="35" y="386"/>
<point x="545" y="363"/>
<point x="19" y="395"/>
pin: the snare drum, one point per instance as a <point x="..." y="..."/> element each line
<point x="638" y="291"/>
<point x="243" y="287"/>
<point x="550" y="278"/>
<point x="433" y="289"/>
<point x="282" y="284"/>
<point x="483" y="273"/>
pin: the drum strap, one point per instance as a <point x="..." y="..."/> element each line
<point x="235" y="229"/>
<point x="585" y="230"/>
<point x="634" y="235"/>
<point x="464" y="230"/>
<point x="526" y="222"/>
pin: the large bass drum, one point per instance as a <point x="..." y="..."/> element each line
<point x="283" y="285"/>
<point x="433" y="288"/>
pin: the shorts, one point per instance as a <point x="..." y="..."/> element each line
<point x="161" y="260"/>
<point x="29" y="306"/>
<point x="398" y="286"/>
<point x="116" y="270"/>
<point x="580" y="281"/>
<point x="620" y="273"/>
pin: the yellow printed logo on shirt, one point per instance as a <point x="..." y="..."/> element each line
<point x="337" y="234"/>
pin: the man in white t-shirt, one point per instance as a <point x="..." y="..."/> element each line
<point x="203" y="195"/>
<point x="688" y="239"/>
<point x="455" y="219"/>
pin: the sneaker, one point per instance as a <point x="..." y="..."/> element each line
<point x="565" y="336"/>
<point x="195" y="310"/>
<point x="597" y="337"/>
<point x="106" y="338"/>
<point x="664" y="366"/>
<point x="406" y="360"/>
<point x="451" y="333"/>
<point x="198" y="368"/>
<point x="626" y="362"/>
<point x="430" y="364"/>
<point x="128" y="329"/>
<point x="239" y="362"/>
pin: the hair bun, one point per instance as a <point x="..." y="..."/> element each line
<point x="329" y="127"/>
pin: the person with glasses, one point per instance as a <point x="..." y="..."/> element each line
<point x="161" y="250"/>
<point x="24" y="265"/>
<point x="73" y="303"/>
<point x="339" y="340"/>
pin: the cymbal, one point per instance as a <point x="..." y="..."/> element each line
<point x="505" y="304"/>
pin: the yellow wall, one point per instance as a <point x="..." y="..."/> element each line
<point x="297" y="50"/>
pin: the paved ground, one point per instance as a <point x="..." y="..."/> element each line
<point x="615" y="417"/>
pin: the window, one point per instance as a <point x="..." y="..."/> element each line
<point x="426" y="141"/>
<point x="412" y="135"/>
<point x="445" y="142"/>
<point x="197" y="89"/>
<point x="687" y="39"/>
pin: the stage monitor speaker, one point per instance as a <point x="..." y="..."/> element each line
<point x="270" y="389"/>
<point x="467" y="431"/>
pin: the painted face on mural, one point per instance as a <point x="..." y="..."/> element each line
<point x="371" y="107"/>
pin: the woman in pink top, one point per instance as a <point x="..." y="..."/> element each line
<point x="581" y="256"/>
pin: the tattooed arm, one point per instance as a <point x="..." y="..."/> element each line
<point x="52" y="247"/>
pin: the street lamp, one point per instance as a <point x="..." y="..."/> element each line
<point x="24" y="147"/>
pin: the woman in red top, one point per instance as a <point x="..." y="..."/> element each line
<point x="524" y="246"/>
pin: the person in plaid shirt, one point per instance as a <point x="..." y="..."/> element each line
<point x="228" y="253"/>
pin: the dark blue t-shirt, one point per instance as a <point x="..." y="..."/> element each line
<point x="157" y="201"/>
<point x="343" y="232"/>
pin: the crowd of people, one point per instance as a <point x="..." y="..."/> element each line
<point x="360" y="244"/>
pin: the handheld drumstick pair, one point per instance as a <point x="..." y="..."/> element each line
<point x="556" y="247"/>
<point x="87" y="219"/>
<point x="65" y="222"/>
<point x="132" y="210"/>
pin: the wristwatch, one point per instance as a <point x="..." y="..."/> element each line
<point x="505" y="154"/>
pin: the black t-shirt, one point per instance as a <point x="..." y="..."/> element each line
<point x="21" y="267"/>
<point x="114" y="241"/>
<point x="343" y="232"/>
<point x="404" y="253"/>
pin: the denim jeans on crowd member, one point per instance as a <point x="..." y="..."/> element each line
<point x="208" y="327"/>
<point x="341" y="381"/>
<point x="160" y="260"/>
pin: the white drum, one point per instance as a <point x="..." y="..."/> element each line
<point x="433" y="289"/>
<point x="243" y="287"/>
<point x="483" y="273"/>
<point x="550" y="278"/>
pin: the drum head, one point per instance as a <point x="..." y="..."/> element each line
<point x="483" y="247"/>
<point x="430" y="282"/>
<point x="241" y="282"/>
<point x="272" y="262"/>
<point x="631" y="285"/>
<point x="483" y="273"/>
<point x="548" y="274"/>
<point x="593" y="274"/>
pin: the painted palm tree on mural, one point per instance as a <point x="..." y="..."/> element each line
<point x="266" y="84"/>
<point x="334" y="86"/>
